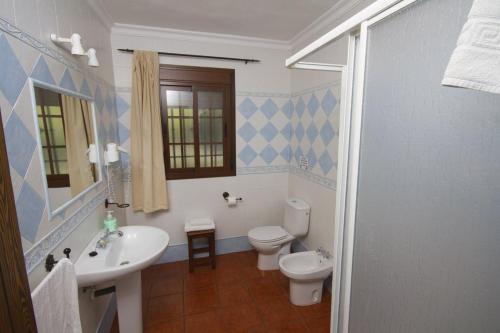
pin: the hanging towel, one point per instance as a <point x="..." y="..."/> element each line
<point x="475" y="63"/>
<point x="55" y="301"/>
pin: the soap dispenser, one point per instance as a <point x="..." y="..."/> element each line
<point x="110" y="222"/>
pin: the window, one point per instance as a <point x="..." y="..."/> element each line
<point x="51" y="123"/>
<point x="198" y="121"/>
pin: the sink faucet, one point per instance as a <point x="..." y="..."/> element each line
<point x="324" y="253"/>
<point x="104" y="240"/>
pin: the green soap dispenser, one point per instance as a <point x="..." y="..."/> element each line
<point x="110" y="222"/>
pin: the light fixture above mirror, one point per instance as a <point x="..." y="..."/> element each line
<point x="77" y="48"/>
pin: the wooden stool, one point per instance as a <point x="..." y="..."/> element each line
<point x="210" y="235"/>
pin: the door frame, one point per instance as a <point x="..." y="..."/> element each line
<point x="16" y="308"/>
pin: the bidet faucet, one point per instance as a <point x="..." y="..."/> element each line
<point x="104" y="240"/>
<point x="323" y="252"/>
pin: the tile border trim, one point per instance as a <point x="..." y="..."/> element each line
<point x="37" y="253"/>
<point x="26" y="38"/>
<point x="314" y="178"/>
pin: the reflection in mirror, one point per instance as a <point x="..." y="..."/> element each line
<point x="66" y="133"/>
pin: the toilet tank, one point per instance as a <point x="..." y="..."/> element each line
<point x="296" y="217"/>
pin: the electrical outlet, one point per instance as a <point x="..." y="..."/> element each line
<point x="304" y="163"/>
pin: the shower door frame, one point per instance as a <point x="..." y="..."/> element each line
<point x="351" y="113"/>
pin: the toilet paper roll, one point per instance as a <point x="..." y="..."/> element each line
<point x="231" y="201"/>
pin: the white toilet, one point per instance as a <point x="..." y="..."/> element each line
<point x="307" y="272"/>
<point x="272" y="242"/>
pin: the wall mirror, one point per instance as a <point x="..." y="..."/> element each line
<point x="67" y="142"/>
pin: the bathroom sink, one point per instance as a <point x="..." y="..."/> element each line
<point x="136" y="249"/>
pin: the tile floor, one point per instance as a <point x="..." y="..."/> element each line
<point x="235" y="297"/>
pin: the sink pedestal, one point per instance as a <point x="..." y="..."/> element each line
<point x="129" y="303"/>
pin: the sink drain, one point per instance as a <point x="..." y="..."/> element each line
<point x="124" y="263"/>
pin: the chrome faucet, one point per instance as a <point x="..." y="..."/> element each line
<point x="104" y="240"/>
<point x="321" y="251"/>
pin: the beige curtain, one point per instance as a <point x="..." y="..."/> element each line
<point x="80" y="172"/>
<point x="149" y="188"/>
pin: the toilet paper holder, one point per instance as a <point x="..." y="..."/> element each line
<point x="225" y="195"/>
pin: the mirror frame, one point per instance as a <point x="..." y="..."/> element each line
<point x="40" y="84"/>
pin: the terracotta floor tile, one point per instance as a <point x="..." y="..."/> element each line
<point x="171" y="326"/>
<point x="152" y="273"/>
<point x="278" y="310"/>
<point x="227" y="276"/>
<point x="319" y="325"/>
<point x="239" y="318"/>
<point x="164" y="308"/>
<point x="200" y="278"/>
<point x="263" y="289"/>
<point x="201" y="300"/>
<point x="166" y="286"/>
<point x="206" y="322"/>
<point x="293" y="326"/>
<point x="231" y="295"/>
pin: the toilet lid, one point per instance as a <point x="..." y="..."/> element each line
<point x="268" y="233"/>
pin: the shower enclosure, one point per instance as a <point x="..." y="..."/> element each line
<point x="418" y="223"/>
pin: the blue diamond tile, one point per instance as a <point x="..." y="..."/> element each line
<point x="300" y="107"/>
<point x="12" y="76"/>
<point x="286" y="153"/>
<point x="109" y="102"/>
<point x="327" y="133"/>
<point x="247" y="108"/>
<point x="288" y="109"/>
<point x="311" y="158"/>
<point x="313" y="105"/>
<point x="20" y="144"/>
<point x="30" y="208"/>
<point x="312" y="132"/>
<point x="269" y="132"/>
<point x="85" y="89"/>
<point x="268" y="154"/>
<point x="41" y="72"/>
<point x="123" y="133"/>
<point x="98" y="100"/>
<point x="247" y="155"/>
<point x="325" y="162"/>
<point x="299" y="132"/>
<point x="329" y="102"/>
<point x="121" y="106"/>
<point x="287" y="131"/>
<point x="67" y="81"/>
<point x="247" y="132"/>
<point x="298" y="155"/>
<point x="269" y="108"/>
<point x="124" y="161"/>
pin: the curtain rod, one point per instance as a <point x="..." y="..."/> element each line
<point x="246" y="61"/>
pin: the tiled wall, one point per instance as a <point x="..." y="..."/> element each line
<point x="23" y="56"/>
<point x="315" y="125"/>
<point x="274" y="130"/>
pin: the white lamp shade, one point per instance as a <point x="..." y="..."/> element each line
<point x="76" y="45"/>
<point x="93" y="62"/>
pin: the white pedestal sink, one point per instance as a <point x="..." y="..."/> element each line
<point x="122" y="261"/>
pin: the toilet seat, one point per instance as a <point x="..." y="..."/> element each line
<point x="268" y="234"/>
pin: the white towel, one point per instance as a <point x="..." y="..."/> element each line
<point x="475" y="63"/>
<point x="199" y="224"/>
<point x="55" y="301"/>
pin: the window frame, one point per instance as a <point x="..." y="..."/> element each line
<point x="53" y="180"/>
<point x="197" y="79"/>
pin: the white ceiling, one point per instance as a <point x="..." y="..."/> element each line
<point x="271" y="19"/>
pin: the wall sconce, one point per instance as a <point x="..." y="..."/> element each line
<point x="92" y="152"/>
<point x="91" y="54"/>
<point x="75" y="40"/>
<point x="112" y="153"/>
